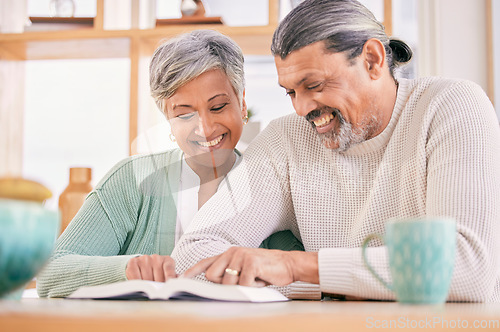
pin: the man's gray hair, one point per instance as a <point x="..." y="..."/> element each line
<point x="344" y="25"/>
<point x="185" y="57"/>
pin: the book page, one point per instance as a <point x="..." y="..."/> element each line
<point x="184" y="287"/>
<point x="132" y="289"/>
<point x="178" y="289"/>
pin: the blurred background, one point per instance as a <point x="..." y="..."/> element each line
<point x="76" y="93"/>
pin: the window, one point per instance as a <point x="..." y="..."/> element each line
<point x="76" y="114"/>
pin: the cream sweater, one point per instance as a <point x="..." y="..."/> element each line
<point x="439" y="156"/>
<point x="131" y="212"/>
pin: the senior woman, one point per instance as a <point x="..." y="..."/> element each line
<point x="129" y="224"/>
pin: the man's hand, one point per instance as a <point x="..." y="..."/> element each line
<point x="258" y="267"/>
<point x="154" y="267"/>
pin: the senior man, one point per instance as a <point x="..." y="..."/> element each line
<point x="363" y="147"/>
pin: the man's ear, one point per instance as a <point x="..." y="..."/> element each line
<point x="374" y="56"/>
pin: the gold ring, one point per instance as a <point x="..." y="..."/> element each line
<point x="232" y="272"/>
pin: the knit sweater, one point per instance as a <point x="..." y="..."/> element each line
<point x="438" y="156"/>
<point x="132" y="211"/>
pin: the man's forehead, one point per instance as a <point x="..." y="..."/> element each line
<point x="299" y="66"/>
<point x="284" y="82"/>
<point x="317" y="46"/>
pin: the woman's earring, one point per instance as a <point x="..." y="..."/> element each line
<point x="172" y="137"/>
<point x="245" y="120"/>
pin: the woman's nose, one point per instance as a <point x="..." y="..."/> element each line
<point x="206" y="126"/>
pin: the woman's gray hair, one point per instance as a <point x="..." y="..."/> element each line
<point x="344" y="25"/>
<point x="185" y="57"/>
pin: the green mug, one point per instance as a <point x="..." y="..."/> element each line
<point x="421" y="258"/>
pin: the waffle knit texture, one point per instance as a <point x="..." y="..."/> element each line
<point x="131" y="212"/>
<point x="438" y="156"/>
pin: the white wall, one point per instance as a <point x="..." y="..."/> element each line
<point x="496" y="53"/>
<point x="464" y="40"/>
<point x="453" y="39"/>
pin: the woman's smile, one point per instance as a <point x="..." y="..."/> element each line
<point x="211" y="144"/>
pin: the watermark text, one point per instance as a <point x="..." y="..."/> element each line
<point x="433" y="322"/>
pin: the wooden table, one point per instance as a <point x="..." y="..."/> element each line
<point x="94" y="316"/>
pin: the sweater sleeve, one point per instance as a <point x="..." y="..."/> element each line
<point x="252" y="203"/>
<point x="249" y="206"/>
<point x="130" y="212"/>
<point x="85" y="254"/>
<point x="463" y="181"/>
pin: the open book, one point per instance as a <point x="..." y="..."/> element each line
<point x="178" y="289"/>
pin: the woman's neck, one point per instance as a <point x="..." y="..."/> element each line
<point x="208" y="174"/>
<point x="210" y="178"/>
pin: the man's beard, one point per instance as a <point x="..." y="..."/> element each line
<point x="344" y="135"/>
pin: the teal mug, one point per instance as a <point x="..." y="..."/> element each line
<point x="421" y="258"/>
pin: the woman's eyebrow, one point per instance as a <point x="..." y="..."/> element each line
<point x="219" y="95"/>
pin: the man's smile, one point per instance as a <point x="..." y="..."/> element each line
<point x="323" y="120"/>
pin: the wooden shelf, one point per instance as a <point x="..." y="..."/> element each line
<point x="59" y="23"/>
<point x="64" y="20"/>
<point x="88" y="40"/>
<point x="190" y="20"/>
<point x="85" y="38"/>
<point x="93" y="43"/>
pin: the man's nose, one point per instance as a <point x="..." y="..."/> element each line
<point x="304" y="104"/>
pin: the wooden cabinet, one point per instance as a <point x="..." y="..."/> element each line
<point x="91" y="41"/>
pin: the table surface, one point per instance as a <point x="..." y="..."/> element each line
<point x="31" y="314"/>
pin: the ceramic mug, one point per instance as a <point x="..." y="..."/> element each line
<point x="421" y="258"/>
<point x="28" y="232"/>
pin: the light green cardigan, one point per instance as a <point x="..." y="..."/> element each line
<point x="132" y="211"/>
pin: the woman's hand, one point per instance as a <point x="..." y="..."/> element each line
<point x="151" y="267"/>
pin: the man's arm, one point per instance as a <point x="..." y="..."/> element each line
<point x="251" y="203"/>
<point x="464" y="182"/>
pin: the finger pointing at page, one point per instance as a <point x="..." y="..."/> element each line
<point x="199" y="268"/>
<point x="257" y="267"/>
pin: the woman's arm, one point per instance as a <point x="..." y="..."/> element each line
<point x="85" y="254"/>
